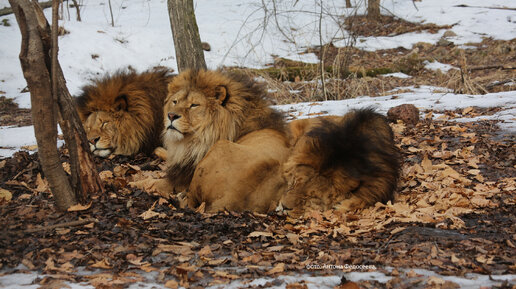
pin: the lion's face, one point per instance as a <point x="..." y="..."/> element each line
<point x="185" y="114"/>
<point x="191" y="115"/>
<point x="102" y="133"/>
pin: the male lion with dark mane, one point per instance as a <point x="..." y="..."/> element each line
<point x="121" y="113"/>
<point x="341" y="163"/>
<point x="230" y="150"/>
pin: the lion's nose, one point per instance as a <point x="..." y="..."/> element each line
<point x="94" y="140"/>
<point x="172" y="116"/>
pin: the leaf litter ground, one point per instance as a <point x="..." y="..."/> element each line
<point x="454" y="214"/>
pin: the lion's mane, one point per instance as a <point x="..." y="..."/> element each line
<point x="235" y="106"/>
<point x="133" y="102"/>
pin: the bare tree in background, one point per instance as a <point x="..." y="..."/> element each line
<point x="187" y="42"/>
<point x="373" y="9"/>
<point x="50" y="102"/>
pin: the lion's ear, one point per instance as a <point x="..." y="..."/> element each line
<point x="221" y="94"/>
<point x="121" y="102"/>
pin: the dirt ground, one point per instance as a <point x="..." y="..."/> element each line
<point x="454" y="214"/>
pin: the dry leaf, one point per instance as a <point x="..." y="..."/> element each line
<point x="5" y="195"/>
<point x="275" y="248"/>
<point x="30" y="147"/>
<point x="426" y="164"/>
<point x="467" y="110"/>
<point x="293" y="238"/>
<point x="201" y="209"/>
<point x="280" y="267"/>
<point x="225" y="274"/>
<point x="172" y="284"/>
<point x="66" y="168"/>
<point x="106" y="175"/>
<point x="259" y="234"/>
<point x="79" y="207"/>
<point x="102" y="264"/>
<point x="435" y="281"/>
<point x="41" y="184"/>
<point x="397" y="230"/>
<point x="205" y="251"/>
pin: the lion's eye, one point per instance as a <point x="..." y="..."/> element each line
<point x="174" y="102"/>
<point x="194" y="105"/>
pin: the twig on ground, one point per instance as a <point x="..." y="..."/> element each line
<point x="62" y="225"/>
<point x="496" y="66"/>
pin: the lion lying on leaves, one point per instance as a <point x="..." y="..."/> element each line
<point x="231" y="151"/>
<point x="122" y="113"/>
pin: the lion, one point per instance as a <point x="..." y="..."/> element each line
<point x="230" y="150"/>
<point x="342" y="163"/>
<point x="121" y="113"/>
<point x="225" y="143"/>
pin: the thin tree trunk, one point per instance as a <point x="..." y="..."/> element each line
<point x="111" y="13"/>
<point x="185" y="32"/>
<point x="78" y="9"/>
<point x="33" y="27"/>
<point x="49" y="96"/>
<point x="348" y="4"/>
<point x="373" y="9"/>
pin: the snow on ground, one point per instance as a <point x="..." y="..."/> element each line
<point x="237" y="31"/>
<point x="469" y="281"/>
<point x="424" y="97"/>
<point x="443" y="67"/>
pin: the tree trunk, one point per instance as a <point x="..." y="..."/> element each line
<point x="348" y="4"/>
<point x="373" y="9"/>
<point x="49" y="96"/>
<point x="185" y="32"/>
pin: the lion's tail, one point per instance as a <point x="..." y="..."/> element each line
<point x="360" y="146"/>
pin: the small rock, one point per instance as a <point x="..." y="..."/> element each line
<point x="448" y="34"/>
<point x="443" y="42"/>
<point x="408" y="113"/>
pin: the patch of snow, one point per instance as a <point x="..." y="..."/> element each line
<point x="396" y="74"/>
<point x="443" y="67"/>
<point x="423" y="97"/>
<point x="313" y="281"/>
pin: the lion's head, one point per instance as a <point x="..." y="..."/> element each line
<point x="103" y="132"/>
<point x="203" y="107"/>
<point x="121" y="113"/>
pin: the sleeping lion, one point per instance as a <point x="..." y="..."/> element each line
<point x="122" y="113"/>
<point x="227" y="148"/>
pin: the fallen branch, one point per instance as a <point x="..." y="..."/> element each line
<point x="500" y="83"/>
<point x="9" y="10"/>
<point x="502" y="67"/>
<point x="485" y="7"/>
<point x="62" y="225"/>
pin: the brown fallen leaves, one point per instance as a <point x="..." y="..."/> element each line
<point x="454" y="214"/>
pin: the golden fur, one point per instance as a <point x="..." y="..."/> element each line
<point x="212" y="120"/>
<point x="121" y="113"/>
<point x="343" y="163"/>
<point x="230" y="150"/>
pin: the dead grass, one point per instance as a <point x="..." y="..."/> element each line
<point x="387" y="26"/>
<point x="351" y="72"/>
